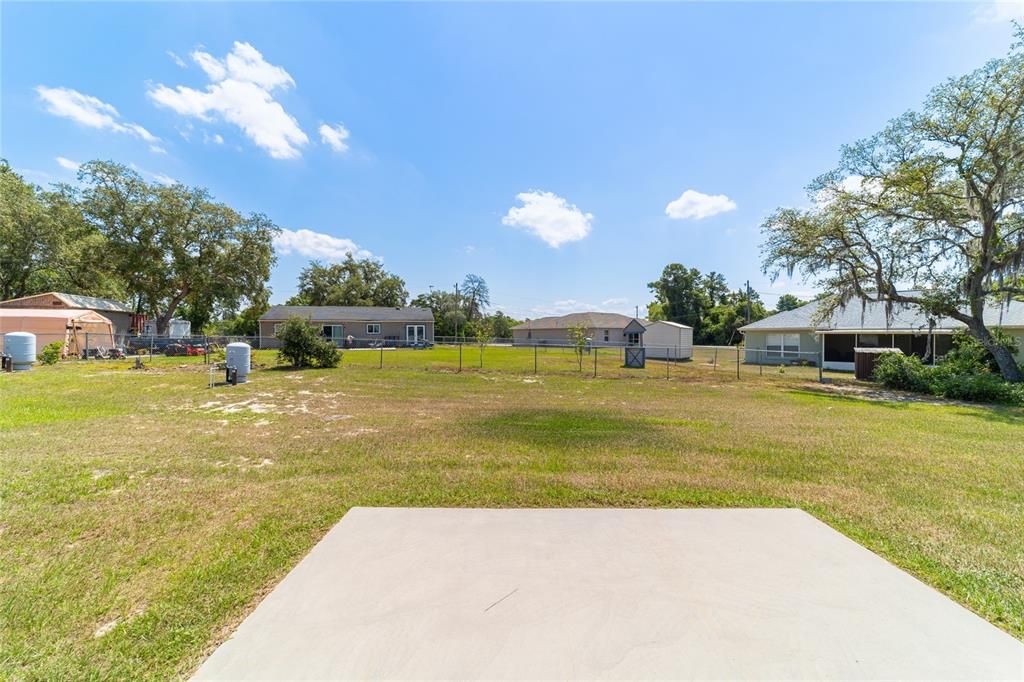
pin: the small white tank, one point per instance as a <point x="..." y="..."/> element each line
<point x="21" y="346"/>
<point x="239" y="356"/>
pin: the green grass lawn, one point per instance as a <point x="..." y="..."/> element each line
<point x="142" y="515"/>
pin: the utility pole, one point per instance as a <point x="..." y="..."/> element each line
<point x="748" y="301"/>
<point x="637" y="312"/>
<point x="457" y="312"/>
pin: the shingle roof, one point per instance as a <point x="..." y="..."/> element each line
<point x="588" y="320"/>
<point x="872" y="316"/>
<point x="330" y="313"/>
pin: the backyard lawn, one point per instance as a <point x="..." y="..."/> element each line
<point x="142" y="515"/>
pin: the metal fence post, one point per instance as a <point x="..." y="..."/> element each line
<point x="534" y="358"/>
<point x="87" y="345"/>
<point x="820" y="367"/>
<point x="667" y="350"/>
<point x="381" y="356"/>
<point x="737" y="362"/>
<point x="760" y="364"/>
<point x="595" y="361"/>
<point x="714" y="362"/>
<point x="460" y="356"/>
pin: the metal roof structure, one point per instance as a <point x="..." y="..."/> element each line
<point x="77" y="301"/>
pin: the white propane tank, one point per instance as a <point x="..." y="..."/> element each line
<point x="238" y="355"/>
<point x="21" y="346"/>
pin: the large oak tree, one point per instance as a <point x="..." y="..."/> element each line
<point x="927" y="213"/>
<point x="174" y="245"/>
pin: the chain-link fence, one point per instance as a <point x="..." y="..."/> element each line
<point x="451" y="355"/>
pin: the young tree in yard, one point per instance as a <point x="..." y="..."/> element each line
<point x="484" y="332"/>
<point x="173" y="245"/>
<point x="351" y="282"/>
<point x="928" y="213"/>
<point x="303" y="346"/>
<point x="787" y="302"/>
<point x="578" y="339"/>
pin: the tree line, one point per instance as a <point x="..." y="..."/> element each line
<point x="705" y="302"/>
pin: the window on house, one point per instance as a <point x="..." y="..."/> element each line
<point x="782" y="345"/>
<point x="791" y="344"/>
<point x="373" y="329"/>
<point x="606" y="336"/>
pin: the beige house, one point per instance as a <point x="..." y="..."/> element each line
<point x="355" y="326"/>
<point x="119" y="314"/>
<point x="603" y="329"/>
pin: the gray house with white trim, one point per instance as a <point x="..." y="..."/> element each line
<point x="799" y="336"/>
<point x="367" y="325"/>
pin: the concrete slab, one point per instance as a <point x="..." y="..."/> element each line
<point x="604" y="593"/>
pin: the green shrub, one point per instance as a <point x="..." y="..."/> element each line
<point x="970" y="356"/>
<point x="959" y="378"/>
<point x="51" y="353"/>
<point x="303" y="346"/>
<point x="904" y="372"/>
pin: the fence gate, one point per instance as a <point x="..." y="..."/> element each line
<point x="635" y="357"/>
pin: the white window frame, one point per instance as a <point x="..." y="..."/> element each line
<point x="782" y="345"/>
<point x="373" y="328"/>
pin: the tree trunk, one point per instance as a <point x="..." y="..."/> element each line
<point x="1008" y="366"/>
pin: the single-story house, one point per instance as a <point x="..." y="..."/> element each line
<point x="666" y="340"/>
<point x="365" y="324"/>
<point x="799" y="336"/>
<point x="78" y="329"/>
<point x="119" y="314"/>
<point x="603" y="329"/>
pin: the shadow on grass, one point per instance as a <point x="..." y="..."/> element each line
<point x="1005" y="414"/>
<point x="558" y="427"/>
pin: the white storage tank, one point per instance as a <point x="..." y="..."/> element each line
<point x="21" y="346"/>
<point x="239" y="356"/>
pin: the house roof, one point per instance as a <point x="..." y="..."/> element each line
<point x="79" y="301"/>
<point x="330" y="313"/>
<point x="651" y="323"/>
<point x="588" y="320"/>
<point x="872" y="316"/>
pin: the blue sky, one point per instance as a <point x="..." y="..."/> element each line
<point x="564" y="152"/>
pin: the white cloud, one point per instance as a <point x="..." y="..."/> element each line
<point x="469" y="249"/>
<point x="999" y="12"/>
<point x="157" y="149"/>
<point x="177" y="60"/>
<point x="241" y="93"/>
<point x="317" y="245"/>
<point x="89" y="111"/>
<point x="695" y="205"/>
<point x="550" y="217"/>
<point x="67" y="164"/>
<point x="164" y="179"/>
<point x="617" y="302"/>
<point x="334" y="136"/>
